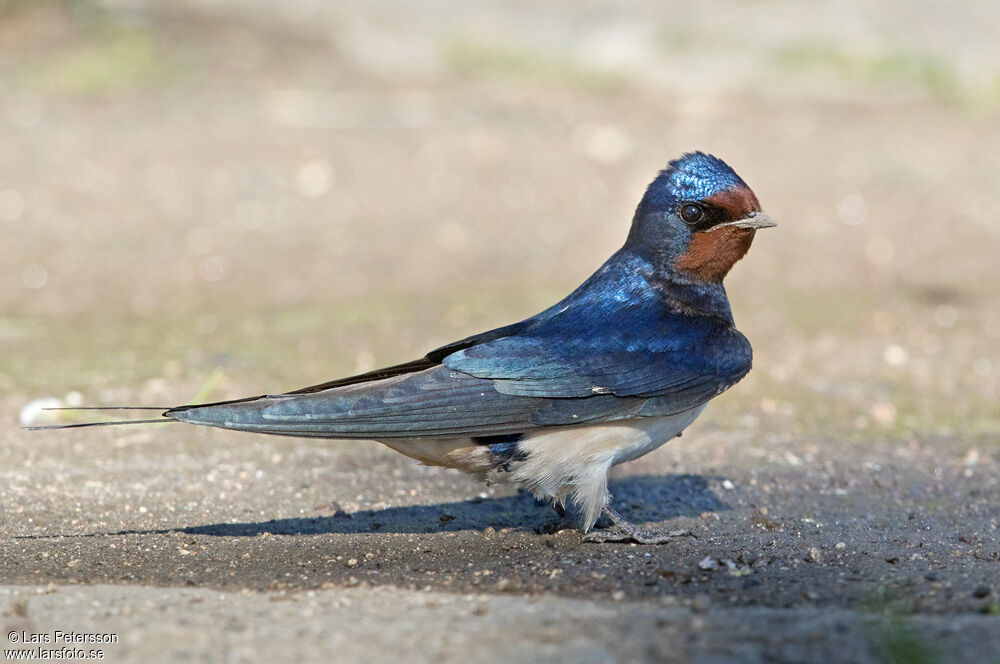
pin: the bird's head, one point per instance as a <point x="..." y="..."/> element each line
<point x="698" y="218"/>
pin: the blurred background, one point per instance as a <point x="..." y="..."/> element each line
<point x="255" y="196"/>
<point x="204" y="199"/>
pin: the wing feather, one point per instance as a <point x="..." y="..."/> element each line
<point x="615" y="348"/>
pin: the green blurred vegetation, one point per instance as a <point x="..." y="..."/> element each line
<point x="892" y="638"/>
<point x="922" y="70"/>
<point x="896" y="642"/>
<point x="278" y="348"/>
<point x="118" y="59"/>
<point x="101" y="53"/>
<point x="523" y="64"/>
<point x="907" y="69"/>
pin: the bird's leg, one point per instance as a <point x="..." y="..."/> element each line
<point x="624" y="531"/>
<point x="554" y="526"/>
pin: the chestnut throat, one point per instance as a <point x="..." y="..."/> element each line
<point x="712" y="254"/>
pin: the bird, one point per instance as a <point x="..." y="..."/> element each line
<point x="550" y="404"/>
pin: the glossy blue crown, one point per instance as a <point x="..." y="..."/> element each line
<point x="693" y="177"/>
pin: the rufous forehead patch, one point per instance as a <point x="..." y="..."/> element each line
<point x="738" y="202"/>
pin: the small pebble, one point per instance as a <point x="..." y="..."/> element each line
<point x="708" y="563"/>
<point x="34" y="413"/>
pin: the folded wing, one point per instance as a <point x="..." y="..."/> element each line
<point x="558" y="370"/>
<point x="436" y="402"/>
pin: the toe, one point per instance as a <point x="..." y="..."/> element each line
<point x="601" y="536"/>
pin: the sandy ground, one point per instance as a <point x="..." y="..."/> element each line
<point x="222" y="199"/>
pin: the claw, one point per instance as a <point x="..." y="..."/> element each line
<point x="639" y="537"/>
<point x="624" y="531"/>
<point x="609" y="535"/>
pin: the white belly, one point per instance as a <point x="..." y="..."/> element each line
<point x="560" y="462"/>
<point x="574" y="461"/>
<point x="651" y="432"/>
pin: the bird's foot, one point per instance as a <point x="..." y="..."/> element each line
<point x="624" y="531"/>
<point x="637" y="536"/>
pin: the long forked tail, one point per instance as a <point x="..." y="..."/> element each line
<point x="163" y="419"/>
<point x="168" y="414"/>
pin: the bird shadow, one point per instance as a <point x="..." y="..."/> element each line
<point x="640" y="498"/>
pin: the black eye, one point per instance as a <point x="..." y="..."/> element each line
<point x="691" y="213"/>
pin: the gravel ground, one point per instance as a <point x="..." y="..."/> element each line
<point x="219" y="199"/>
<point x="160" y="625"/>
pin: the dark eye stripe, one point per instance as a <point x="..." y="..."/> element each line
<point x="706" y="217"/>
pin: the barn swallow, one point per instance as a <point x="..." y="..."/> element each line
<point x="613" y="371"/>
